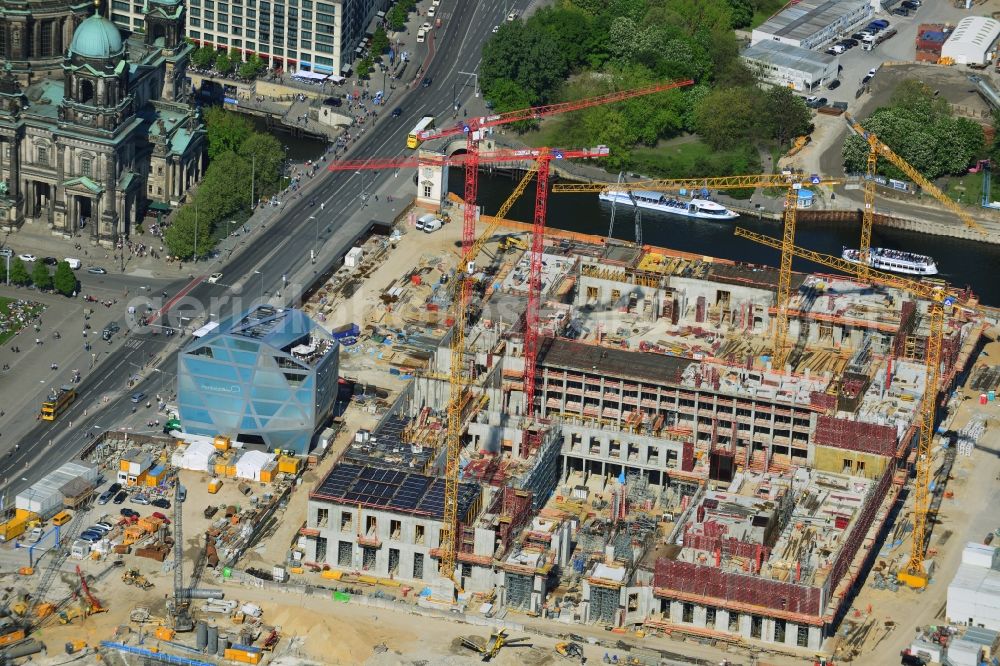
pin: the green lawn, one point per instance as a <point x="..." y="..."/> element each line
<point x="967" y="189"/>
<point x="9" y="326"/>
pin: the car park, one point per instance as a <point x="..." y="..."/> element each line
<point x="161" y="503"/>
<point x="27" y="257"/>
<point x="96" y="270"/>
<point x="120" y="497"/>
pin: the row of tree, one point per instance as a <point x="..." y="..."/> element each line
<point x="244" y="167"/>
<point x="64" y="281"/>
<point x="919" y="126"/>
<point x="582" y="48"/>
<point x="208" y="57"/>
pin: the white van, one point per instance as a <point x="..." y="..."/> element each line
<point x="424" y="220"/>
<point x="420" y="36"/>
<point x="73" y="263"/>
<point x="433" y="225"/>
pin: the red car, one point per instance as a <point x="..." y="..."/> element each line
<point x="157" y="514"/>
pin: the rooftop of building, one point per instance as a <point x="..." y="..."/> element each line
<point x="790" y="56"/>
<point x="372" y="487"/>
<point x="807" y="17"/>
<point x="979" y="31"/>
<point x="387" y="446"/>
<point x="286" y="329"/>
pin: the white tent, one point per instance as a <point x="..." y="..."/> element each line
<point x="251" y="463"/>
<point x="198" y="456"/>
<point x="309" y="76"/>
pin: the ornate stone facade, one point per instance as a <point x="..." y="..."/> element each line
<point x="89" y="150"/>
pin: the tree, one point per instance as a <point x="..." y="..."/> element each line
<point x="266" y="155"/>
<point x="204" y="57"/>
<point x="918" y="97"/>
<point x="226" y="131"/>
<point x="727" y="117"/>
<point x="741" y="13"/>
<point x="41" y="277"/>
<point x="397" y="17"/>
<point x="364" y="68"/>
<point x="507" y="95"/>
<point x="65" y="280"/>
<point x="785" y="114"/>
<point x="180" y="235"/>
<point x="19" y="273"/>
<point x="380" y="41"/>
<point x="223" y="63"/>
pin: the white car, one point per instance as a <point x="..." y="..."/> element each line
<point x="426" y="27"/>
<point x="430" y="11"/>
<point x="496" y="29"/>
<point x="27" y="257"/>
<point x="512" y="16"/>
<point x="214" y="277"/>
<point x="873" y="71"/>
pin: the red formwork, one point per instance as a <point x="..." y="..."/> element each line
<point x="907" y="320"/>
<point x="855" y="435"/>
<point x="822" y="402"/>
<point x="737" y="589"/>
<point x="687" y="456"/>
<point x="861" y="526"/>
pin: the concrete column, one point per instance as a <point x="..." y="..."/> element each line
<point x="721" y="620"/>
<point x="36" y="40"/>
<point x="700" y="614"/>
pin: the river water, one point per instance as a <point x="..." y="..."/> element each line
<point x="962" y="263"/>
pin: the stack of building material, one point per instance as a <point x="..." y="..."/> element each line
<point x="251" y="463"/>
<point x="930" y="38"/>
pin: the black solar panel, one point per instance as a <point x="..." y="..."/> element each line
<point x="392" y="489"/>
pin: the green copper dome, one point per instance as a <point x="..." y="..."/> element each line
<point x="96" y="37"/>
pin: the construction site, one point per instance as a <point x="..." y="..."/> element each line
<point x="542" y="431"/>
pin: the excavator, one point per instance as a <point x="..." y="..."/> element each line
<point x="490" y="647"/>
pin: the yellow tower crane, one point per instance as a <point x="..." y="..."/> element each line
<point x="457" y="380"/>
<point x="779" y="349"/>
<point x="876" y="148"/>
<point x="940" y="297"/>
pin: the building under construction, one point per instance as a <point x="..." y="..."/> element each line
<point x="668" y="475"/>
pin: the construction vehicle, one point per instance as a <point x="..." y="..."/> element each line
<point x="490" y="647"/>
<point x="569" y="649"/>
<point x="939" y="296"/>
<point x="11" y="631"/>
<point x="510" y="242"/>
<point x="57" y="402"/>
<point x="94" y="605"/>
<point x="133" y="577"/>
<point x="67" y="615"/>
<point x="72" y="647"/>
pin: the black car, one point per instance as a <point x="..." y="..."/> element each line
<point x="851" y="43"/>
<point x="909" y="4"/>
<point x="128" y="513"/>
<point x="114" y="488"/>
<point x="333" y="101"/>
<point x="426" y="83"/>
<point x="858" y="36"/>
<point x="120" y="497"/>
<point x="397" y="112"/>
<point x="868" y="77"/>
<point x="50" y="261"/>
<point x="833" y="85"/>
<point x="161" y="503"/>
<point x="901" y="11"/>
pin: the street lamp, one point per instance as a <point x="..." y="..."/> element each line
<point x="261" y="285"/>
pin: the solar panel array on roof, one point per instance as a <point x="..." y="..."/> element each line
<point x="391" y="489"/>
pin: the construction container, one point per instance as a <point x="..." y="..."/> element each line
<point x="289" y="464"/>
<point x="150" y="523"/>
<point x="164" y="633"/>
<point x="242" y="656"/>
<point x="155" y="476"/>
<point x="221" y="443"/>
<point x="214" y="485"/>
<point x="42" y="498"/>
<point x="14" y="527"/>
<point x="267" y="474"/>
<point x="330" y="574"/>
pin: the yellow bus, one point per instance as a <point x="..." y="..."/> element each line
<point x="414" y="140"/>
<point x="57" y="403"/>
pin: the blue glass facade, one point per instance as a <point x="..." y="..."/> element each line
<point x="268" y="376"/>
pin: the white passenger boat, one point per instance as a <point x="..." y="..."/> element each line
<point x="705" y="209"/>
<point x="895" y="261"/>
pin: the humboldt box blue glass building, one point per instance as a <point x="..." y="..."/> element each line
<point x="268" y="377"/>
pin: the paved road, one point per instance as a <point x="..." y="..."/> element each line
<point x="281" y="248"/>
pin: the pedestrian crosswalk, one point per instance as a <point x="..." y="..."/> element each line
<point x="133" y="344"/>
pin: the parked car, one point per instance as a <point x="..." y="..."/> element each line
<point x="833" y="85"/>
<point x="333" y="101"/>
<point x="161" y="503"/>
<point x="27" y="257"/>
<point x="96" y="270"/>
<point x="99" y="529"/>
<point x="140" y="499"/>
<point x="214" y="277"/>
<point x="90" y="537"/>
<point x="909" y="4"/>
<point x="50" y="261"/>
<point x="129" y="513"/>
<point x="163" y="517"/>
<point x="104" y="525"/>
<point x="851" y="42"/>
<point x="105" y="497"/>
<point x="115" y="487"/>
<point x="873" y="71"/>
<point x="121" y="497"/>
<point x="858" y="36"/>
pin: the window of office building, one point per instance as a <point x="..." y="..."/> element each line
<point x="307" y="25"/>
<point x="223" y="27"/>
<point x="265" y="6"/>
<point x="320" y="60"/>
<point x="251" y="34"/>
<point x="119" y="18"/>
<point x="118" y="4"/>
<point x="278" y="50"/>
<point x="251" y="13"/>
<point x="305" y="44"/>
<point x="324" y="28"/>
<point x="323" y="7"/>
<point x="209" y="15"/>
<point x="237" y="32"/>
<point x="251" y="45"/>
<point x="195" y="34"/>
<point x="209" y="25"/>
<point x="238" y="43"/>
<point x="237" y="20"/>
<point x="324" y="18"/>
<point x="307" y="4"/>
<point x="325" y="39"/>
<point x="222" y="40"/>
<point x="222" y="7"/>
<point x="209" y="4"/>
<point x="195" y="22"/>
<point x="196" y="12"/>
<point x="307" y="15"/>
<point x="323" y="48"/>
